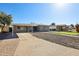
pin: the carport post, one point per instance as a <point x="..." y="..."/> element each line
<point x="32" y="28"/>
<point x="28" y="28"/>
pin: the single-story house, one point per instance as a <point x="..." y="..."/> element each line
<point x="52" y="27"/>
<point x="62" y="28"/>
<point x="43" y="28"/>
<point x="71" y="28"/>
<point x="30" y="28"/>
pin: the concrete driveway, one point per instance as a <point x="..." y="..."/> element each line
<point x="32" y="46"/>
<point x="28" y="45"/>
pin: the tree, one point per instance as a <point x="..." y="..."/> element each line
<point x="77" y="27"/>
<point x="52" y="23"/>
<point x="5" y="21"/>
<point x="72" y="25"/>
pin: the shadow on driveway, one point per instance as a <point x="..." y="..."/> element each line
<point x="7" y="36"/>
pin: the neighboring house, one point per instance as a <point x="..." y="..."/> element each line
<point x="52" y="27"/>
<point x="37" y="28"/>
<point x="71" y="28"/>
<point x="62" y="28"/>
<point x="30" y="28"/>
<point x="43" y="28"/>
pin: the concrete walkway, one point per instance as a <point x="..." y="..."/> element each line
<point x="30" y="45"/>
<point x="8" y="47"/>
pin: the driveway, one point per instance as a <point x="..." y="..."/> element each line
<point x="32" y="46"/>
<point x="29" y="45"/>
<point x="8" y="47"/>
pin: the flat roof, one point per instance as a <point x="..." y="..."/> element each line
<point x="24" y="25"/>
<point x="29" y="25"/>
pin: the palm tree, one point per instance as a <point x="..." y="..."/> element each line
<point x="5" y="21"/>
<point x="77" y="27"/>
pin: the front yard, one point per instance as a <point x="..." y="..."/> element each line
<point x="68" y="41"/>
<point x="66" y="33"/>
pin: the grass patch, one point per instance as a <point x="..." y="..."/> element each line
<point x="66" y="33"/>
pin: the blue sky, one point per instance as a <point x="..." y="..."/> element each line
<point x="42" y="13"/>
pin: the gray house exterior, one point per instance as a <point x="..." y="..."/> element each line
<point x="43" y="28"/>
<point x="36" y="28"/>
<point x="30" y="28"/>
<point x="62" y="28"/>
<point x="52" y="28"/>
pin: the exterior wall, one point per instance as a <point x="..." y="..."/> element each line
<point x="59" y="28"/>
<point x="0" y="29"/>
<point x="5" y="28"/>
<point x="22" y="29"/>
<point x="62" y="28"/>
<point x="52" y="27"/>
<point x="43" y="28"/>
<point x="71" y="28"/>
<point x="39" y="28"/>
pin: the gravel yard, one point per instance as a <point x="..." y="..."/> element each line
<point x="63" y="40"/>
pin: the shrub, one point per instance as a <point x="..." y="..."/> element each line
<point x="77" y="27"/>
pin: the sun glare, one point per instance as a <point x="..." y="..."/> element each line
<point x="60" y="4"/>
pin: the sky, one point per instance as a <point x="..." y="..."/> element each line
<point x="42" y="13"/>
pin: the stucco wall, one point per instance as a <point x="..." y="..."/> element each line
<point x="0" y="29"/>
<point x="43" y="28"/>
<point x="22" y="29"/>
<point x="40" y="28"/>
